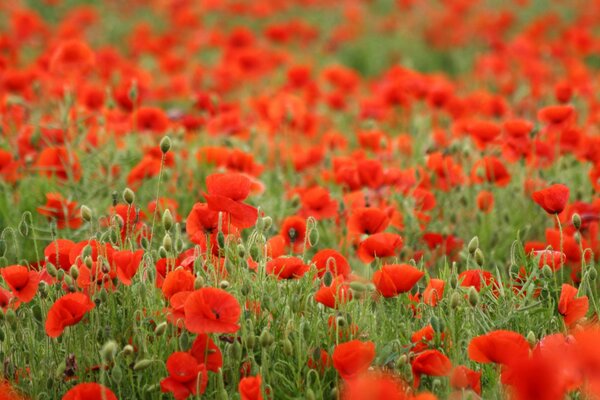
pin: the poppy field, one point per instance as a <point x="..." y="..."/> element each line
<point x="299" y="199"/>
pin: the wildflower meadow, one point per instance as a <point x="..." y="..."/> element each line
<point x="299" y="199"/>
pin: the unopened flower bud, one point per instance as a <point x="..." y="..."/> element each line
<point x="576" y="220"/>
<point x="165" y="144"/>
<point x="86" y="213"/>
<point x="473" y="296"/>
<point x="160" y="329"/>
<point x="108" y="351"/>
<point x="128" y="196"/>
<point x="473" y="245"/>
<point x="167" y="220"/>
<point x="479" y="258"/>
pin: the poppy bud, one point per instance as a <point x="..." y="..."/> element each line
<point x="86" y="213"/>
<point x="108" y="351"/>
<point x="115" y="196"/>
<point x="235" y="350"/>
<point x="453" y="281"/>
<point x="198" y="283"/>
<point x="250" y="341"/>
<point x="160" y="329"/>
<point x="268" y="222"/>
<point x="576" y="220"/>
<point x="455" y="300"/>
<point x="254" y="253"/>
<point x="288" y="348"/>
<point x="184" y="341"/>
<point x="222" y="395"/>
<point x="266" y="339"/>
<point x="531" y="338"/>
<point x="327" y="278"/>
<point x="60" y="274"/>
<point x="179" y="245"/>
<point x="103" y="295"/>
<point x="436" y="324"/>
<point x="2" y="335"/>
<point x="245" y="289"/>
<point x="167" y="220"/>
<point x="473" y="245"/>
<point x="309" y="394"/>
<point x="402" y="360"/>
<point x="260" y="224"/>
<point x="479" y="258"/>
<point x="221" y="239"/>
<point x="37" y="312"/>
<point x="313" y="237"/>
<point x="341" y="321"/>
<point x="145" y="243"/>
<point x="23" y="228"/>
<point x="68" y="280"/>
<point x="43" y="289"/>
<point x="142" y="365"/>
<point x="128" y="196"/>
<point x="547" y="271"/>
<point x="117" y="373"/>
<point x="128" y="350"/>
<point x="51" y="270"/>
<point x="133" y="91"/>
<point x="2" y="248"/>
<point x="165" y="144"/>
<point x="473" y="296"/>
<point x="162" y="252"/>
<point x="74" y="271"/>
<point x="358" y="286"/>
<point x="592" y="274"/>
<point x="224" y="284"/>
<point x="167" y="242"/>
<point x="241" y="251"/>
<point x="334" y="394"/>
<point x="577" y="237"/>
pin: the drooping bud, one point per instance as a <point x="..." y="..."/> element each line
<point x="108" y="351"/>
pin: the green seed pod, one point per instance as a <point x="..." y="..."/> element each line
<point x="145" y="243"/>
<point x="60" y="275"/>
<point x="86" y="213"/>
<point x="221" y="239"/>
<point x="592" y="274"/>
<point x="547" y="271"/>
<point x="117" y="373"/>
<point x="334" y="394"/>
<point x="260" y="224"/>
<point x="167" y="220"/>
<point x="128" y="196"/>
<point x="455" y="300"/>
<point x="241" y="251"/>
<point x="235" y="350"/>
<point x="250" y="341"/>
<point x="531" y="338"/>
<point x="224" y="284"/>
<point x="266" y="339"/>
<point x="2" y="335"/>
<point x="576" y="220"/>
<point x="24" y="228"/>
<point x="473" y="296"/>
<point x="327" y="278"/>
<point x="128" y="350"/>
<point x="162" y="252"/>
<point x="165" y="144"/>
<point x="479" y="258"/>
<point x="313" y="237"/>
<point x="453" y="281"/>
<point x="198" y="283"/>
<point x="160" y="329"/>
<point x="268" y="222"/>
<point x="142" y="365"/>
<point x="52" y="271"/>
<point x="222" y="395"/>
<point x="167" y="242"/>
<point x="184" y="341"/>
<point x="37" y="312"/>
<point x="436" y="324"/>
<point x="74" y="271"/>
<point x="109" y="351"/>
<point x="358" y="286"/>
<point x="68" y="280"/>
<point x="473" y="245"/>
<point x="288" y="348"/>
<point x="2" y="247"/>
<point x="310" y="394"/>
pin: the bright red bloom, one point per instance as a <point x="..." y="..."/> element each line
<point x="485" y="201"/>
<point x="211" y="310"/>
<point x="226" y="192"/>
<point x="293" y="231"/>
<point x="249" y="388"/>
<point x="335" y="294"/>
<point x="375" y="386"/>
<point x="22" y="282"/>
<point x="552" y="199"/>
<point x="367" y="221"/>
<point x="317" y="203"/>
<point x="72" y="57"/>
<point x="394" y="279"/>
<point x="352" y="358"/>
<point x="430" y="362"/>
<point x="58" y="252"/>
<point x="150" y="119"/>
<point x="500" y="347"/>
<point x="89" y="391"/>
<point x="287" y="267"/>
<point x="207" y="352"/>
<point x="379" y="245"/>
<point x="463" y="378"/>
<point x="490" y="169"/>
<point x="572" y="308"/>
<point x="127" y="263"/>
<point x="59" y="162"/>
<point x="475" y="278"/>
<point x="66" y="311"/>
<point x="66" y="213"/>
<point x="186" y="375"/>
<point x="178" y="280"/>
<point x="433" y="292"/>
<point x="331" y="260"/>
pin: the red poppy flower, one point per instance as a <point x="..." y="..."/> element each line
<point x="57" y="253"/>
<point x="375" y="386"/>
<point x="22" y="282"/>
<point x="556" y="114"/>
<point x="211" y="310"/>
<point x="475" y="278"/>
<point x="66" y="311"/>
<point x="207" y="352"/>
<point x="379" y="245"/>
<point x="72" y="57"/>
<point x="352" y="358"/>
<point x="483" y="132"/>
<point x="89" y="391"/>
<point x="317" y="203"/>
<point x="331" y="260"/>
<point x="552" y="199"/>
<point x="178" y="280"/>
<point x="8" y="392"/>
<point x="463" y="378"/>
<point x="432" y="363"/>
<point x="59" y="162"/>
<point x="65" y="213"/>
<point x="485" y="201"/>
<point x="150" y="119"/>
<point x="127" y="263"/>
<point x="226" y="193"/>
<point x="8" y="299"/>
<point x="249" y="388"/>
<point x="394" y="279"/>
<point x="293" y="231"/>
<point x="335" y="294"/>
<point x="367" y="221"/>
<point x="433" y="292"/>
<point x="572" y="308"/>
<point x="186" y="376"/>
<point x="421" y="338"/>
<point x="499" y="347"/>
<point x="287" y="267"/>
<point x="490" y="169"/>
